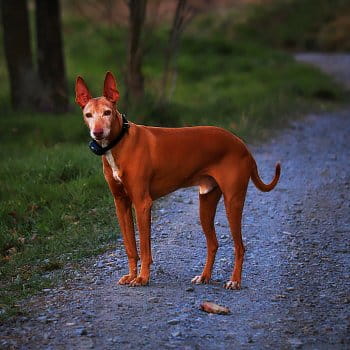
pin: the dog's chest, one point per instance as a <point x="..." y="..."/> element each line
<point x="112" y="164"/>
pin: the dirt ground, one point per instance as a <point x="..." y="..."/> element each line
<point x="296" y="278"/>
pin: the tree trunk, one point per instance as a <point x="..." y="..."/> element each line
<point x="183" y="15"/>
<point x="51" y="65"/>
<point x="134" y="78"/>
<point x="18" y="53"/>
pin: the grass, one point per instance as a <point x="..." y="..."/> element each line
<point x="317" y="25"/>
<point x="55" y="206"/>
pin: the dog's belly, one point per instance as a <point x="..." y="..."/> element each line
<point x="206" y="184"/>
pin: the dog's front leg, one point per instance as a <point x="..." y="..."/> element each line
<point x="124" y="214"/>
<point x="143" y="217"/>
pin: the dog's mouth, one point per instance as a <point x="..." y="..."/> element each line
<point x="99" y="136"/>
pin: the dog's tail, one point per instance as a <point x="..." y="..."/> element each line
<point x="258" y="182"/>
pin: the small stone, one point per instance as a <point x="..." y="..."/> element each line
<point x="173" y="321"/>
<point x="281" y="296"/>
<point x="81" y="331"/>
<point x="230" y="336"/>
<point x="176" y="333"/>
<point x="189" y="289"/>
<point x="153" y="300"/>
<point x="160" y="270"/>
<point x="295" y="342"/>
<point x="42" y="318"/>
<point x="100" y="264"/>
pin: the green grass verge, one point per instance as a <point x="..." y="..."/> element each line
<point x="316" y="25"/>
<point x="54" y="204"/>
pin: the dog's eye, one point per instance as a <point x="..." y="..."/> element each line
<point x="107" y="112"/>
<point x="88" y="115"/>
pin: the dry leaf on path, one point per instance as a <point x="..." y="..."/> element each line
<point x="213" y="308"/>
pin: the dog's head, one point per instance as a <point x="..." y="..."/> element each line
<point x="100" y="112"/>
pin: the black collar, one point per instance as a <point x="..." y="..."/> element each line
<point x="99" y="150"/>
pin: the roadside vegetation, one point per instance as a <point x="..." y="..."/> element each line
<point x="54" y="204"/>
<point x="308" y="25"/>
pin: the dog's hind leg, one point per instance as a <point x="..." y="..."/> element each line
<point x="234" y="208"/>
<point x="207" y="209"/>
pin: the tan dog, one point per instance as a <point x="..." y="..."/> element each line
<point x="142" y="163"/>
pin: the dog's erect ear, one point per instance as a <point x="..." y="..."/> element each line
<point x="82" y="94"/>
<point x="110" y="88"/>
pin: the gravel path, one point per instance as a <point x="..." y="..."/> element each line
<point x="336" y="64"/>
<point x="296" y="278"/>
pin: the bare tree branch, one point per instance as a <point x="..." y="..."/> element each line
<point x="183" y="16"/>
<point x="134" y="77"/>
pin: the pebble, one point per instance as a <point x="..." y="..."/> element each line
<point x="173" y="321"/>
<point x="176" y="333"/>
<point x="295" y="343"/>
<point x="153" y="300"/>
<point x="81" y="331"/>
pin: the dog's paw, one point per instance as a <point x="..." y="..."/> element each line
<point x="139" y="281"/>
<point x="126" y="279"/>
<point x="234" y="285"/>
<point x="200" y="279"/>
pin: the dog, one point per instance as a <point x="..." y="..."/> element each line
<point x="143" y="163"/>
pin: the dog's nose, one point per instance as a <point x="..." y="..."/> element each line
<point x="98" y="133"/>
